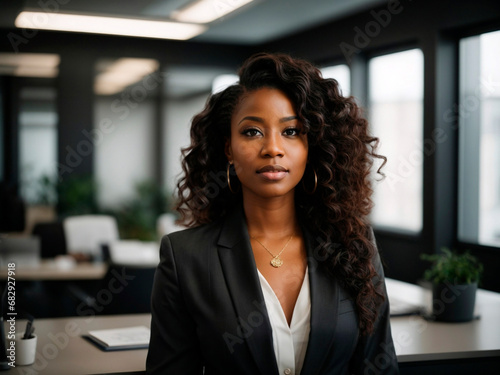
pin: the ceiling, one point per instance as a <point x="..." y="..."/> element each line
<point x="257" y="22"/>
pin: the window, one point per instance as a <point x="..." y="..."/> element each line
<point x="123" y="136"/>
<point x="478" y="115"/>
<point x="396" y="117"/>
<point x="35" y="99"/>
<point x="187" y="90"/>
<point x="37" y="142"/>
<point x="342" y="74"/>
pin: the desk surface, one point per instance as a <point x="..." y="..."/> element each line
<point x="417" y="339"/>
<point x="62" y="350"/>
<point x="49" y="270"/>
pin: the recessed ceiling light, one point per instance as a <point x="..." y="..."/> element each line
<point x="108" y="25"/>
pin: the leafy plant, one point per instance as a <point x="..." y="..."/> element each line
<point x="77" y="195"/>
<point x="453" y="268"/>
<point x="137" y="217"/>
<point x="46" y="190"/>
<point x="38" y="189"/>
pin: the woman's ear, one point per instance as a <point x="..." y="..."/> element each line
<point x="228" y="150"/>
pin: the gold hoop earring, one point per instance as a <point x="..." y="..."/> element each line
<point x="229" y="179"/>
<point x="315" y="184"/>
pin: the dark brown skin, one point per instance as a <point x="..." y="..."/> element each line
<point x="265" y="132"/>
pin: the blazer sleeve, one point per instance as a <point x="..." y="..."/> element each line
<point x="173" y="347"/>
<point x="375" y="353"/>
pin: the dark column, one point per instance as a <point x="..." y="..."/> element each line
<point x="441" y="98"/>
<point x="159" y="164"/>
<point x="359" y="79"/>
<point x="10" y="145"/>
<point x="75" y="102"/>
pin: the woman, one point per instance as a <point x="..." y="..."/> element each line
<point x="279" y="273"/>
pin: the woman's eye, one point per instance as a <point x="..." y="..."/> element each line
<point x="250" y="132"/>
<point x="291" y="132"/>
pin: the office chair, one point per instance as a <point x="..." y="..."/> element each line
<point x="132" y="289"/>
<point x="12" y="209"/>
<point x="52" y="239"/>
<point x="127" y="285"/>
<point x="85" y="234"/>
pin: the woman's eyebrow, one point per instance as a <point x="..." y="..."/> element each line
<point x="251" y="118"/>
<point x="259" y="119"/>
<point x="289" y="118"/>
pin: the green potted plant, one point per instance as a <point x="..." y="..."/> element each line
<point x="454" y="279"/>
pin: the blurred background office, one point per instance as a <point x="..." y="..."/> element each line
<point x="94" y="111"/>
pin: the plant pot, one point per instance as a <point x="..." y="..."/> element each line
<point x="453" y="303"/>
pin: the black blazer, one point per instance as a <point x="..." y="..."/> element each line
<point x="208" y="311"/>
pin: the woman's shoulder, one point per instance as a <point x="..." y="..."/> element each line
<point x="190" y="238"/>
<point x="190" y="249"/>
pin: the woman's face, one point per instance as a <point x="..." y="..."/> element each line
<point x="267" y="146"/>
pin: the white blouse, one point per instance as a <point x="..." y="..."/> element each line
<point x="290" y="342"/>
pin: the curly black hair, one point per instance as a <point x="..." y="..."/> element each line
<point x="341" y="153"/>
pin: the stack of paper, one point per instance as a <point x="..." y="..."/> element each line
<point x="121" y="338"/>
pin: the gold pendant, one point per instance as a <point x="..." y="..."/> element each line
<point x="276" y="262"/>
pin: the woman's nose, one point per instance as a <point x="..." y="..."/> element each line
<point x="273" y="146"/>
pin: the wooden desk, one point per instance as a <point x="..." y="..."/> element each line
<point x="449" y="348"/>
<point x="422" y="347"/>
<point x="62" y="351"/>
<point x="49" y="270"/>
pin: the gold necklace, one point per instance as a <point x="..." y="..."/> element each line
<point x="276" y="261"/>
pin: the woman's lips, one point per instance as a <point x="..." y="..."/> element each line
<point x="273" y="172"/>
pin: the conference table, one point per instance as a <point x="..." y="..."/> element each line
<point x="422" y="346"/>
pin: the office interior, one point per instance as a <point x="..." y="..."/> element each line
<point x="73" y="143"/>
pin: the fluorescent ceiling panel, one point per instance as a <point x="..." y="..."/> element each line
<point x="108" y="25"/>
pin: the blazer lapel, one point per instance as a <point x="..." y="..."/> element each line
<point x="323" y="291"/>
<point x="239" y="268"/>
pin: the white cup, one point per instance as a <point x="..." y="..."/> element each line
<point x="25" y="349"/>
